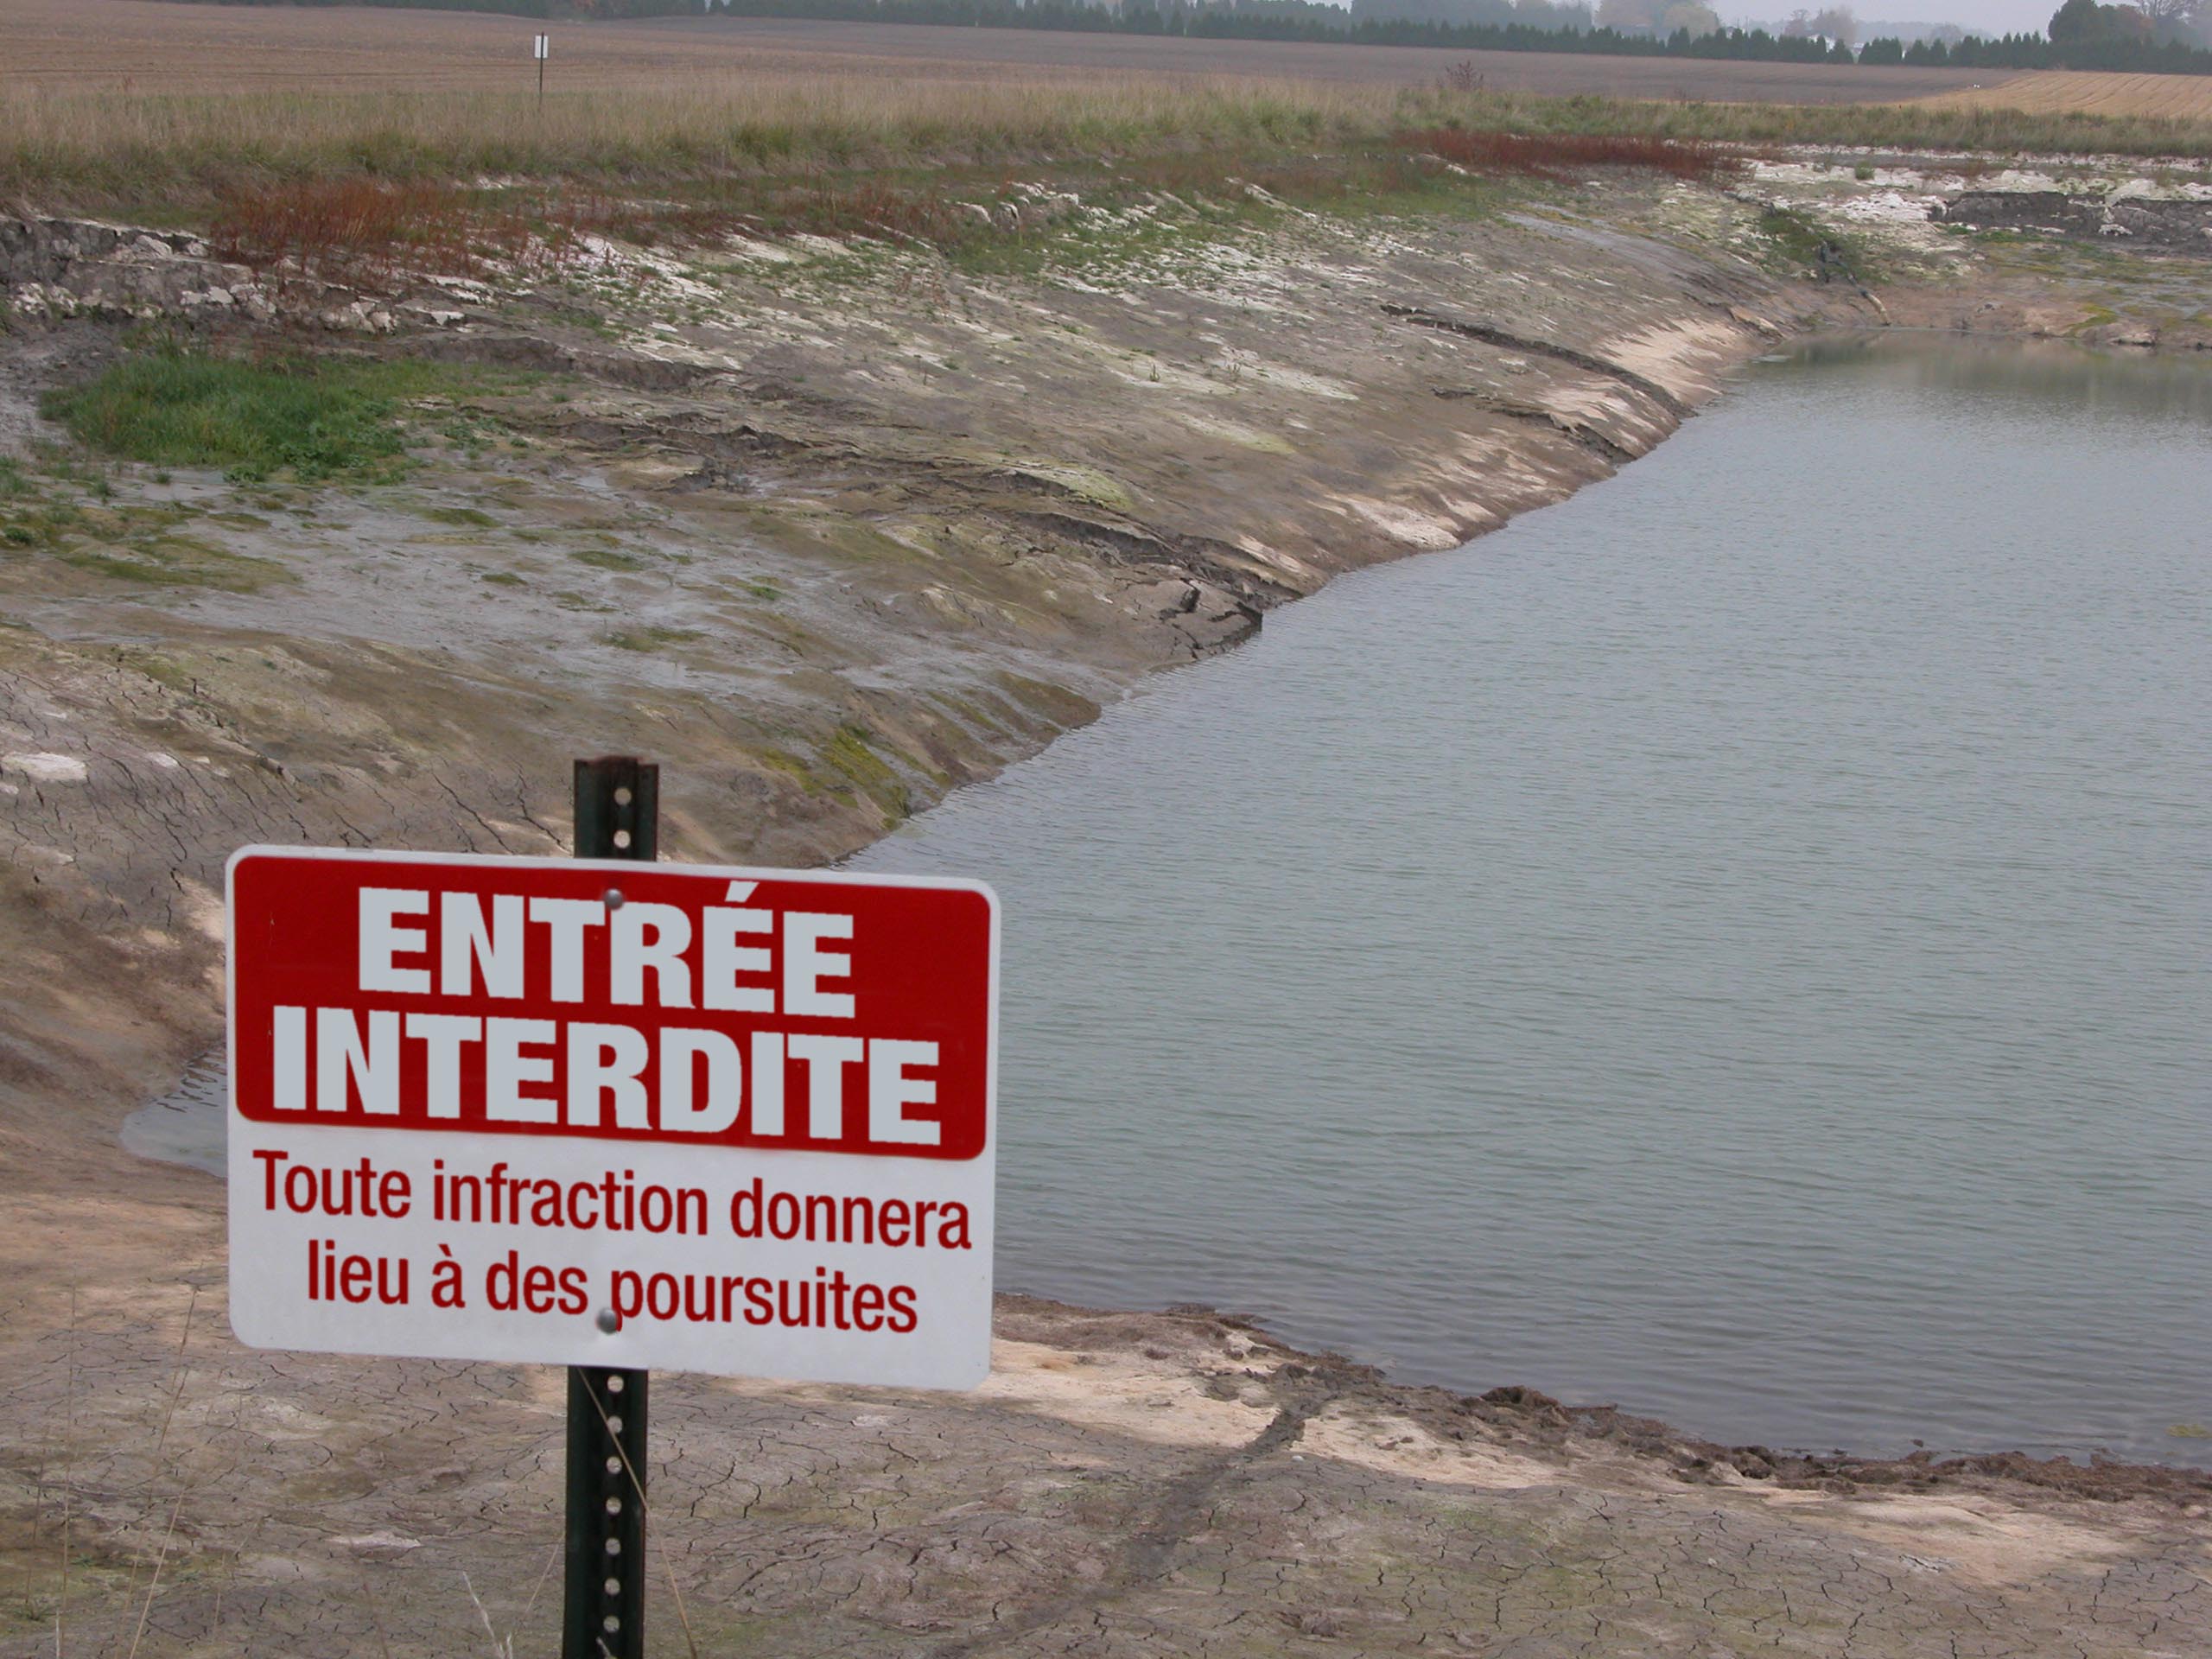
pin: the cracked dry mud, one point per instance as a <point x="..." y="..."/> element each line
<point x="829" y="539"/>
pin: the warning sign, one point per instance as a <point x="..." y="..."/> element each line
<point x="612" y="1114"/>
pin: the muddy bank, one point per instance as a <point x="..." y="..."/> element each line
<point x="830" y="531"/>
<point x="1138" y="1484"/>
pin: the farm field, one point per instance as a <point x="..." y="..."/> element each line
<point x="150" y="45"/>
<point x="2072" y="92"/>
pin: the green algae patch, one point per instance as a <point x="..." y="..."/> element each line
<point x="650" y="639"/>
<point x="146" y="543"/>
<point x="850" y="753"/>
<point x="176" y="562"/>
<point x="791" y="766"/>
<point x="608" y="559"/>
<point x="1084" y="483"/>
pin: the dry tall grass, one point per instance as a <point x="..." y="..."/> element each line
<point x="117" y="146"/>
<point x="151" y="154"/>
<point x="2181" y="97"/>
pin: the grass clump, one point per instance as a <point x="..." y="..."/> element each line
<point x="312" y="419"/>
<point x="251" y="419"/>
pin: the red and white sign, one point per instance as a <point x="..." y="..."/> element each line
<point x="609" y="1112"/>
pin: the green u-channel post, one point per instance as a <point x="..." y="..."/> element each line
<point x="603" y="1617"/>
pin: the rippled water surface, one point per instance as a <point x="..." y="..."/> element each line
<point x="1734" y="944"/>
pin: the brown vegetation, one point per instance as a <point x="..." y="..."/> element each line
<point x="1557" y="156"/>
<point x="362" y="231"/>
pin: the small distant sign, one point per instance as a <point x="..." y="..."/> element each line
<point x="604" y="1113"/>
<point x="543" y="47"/>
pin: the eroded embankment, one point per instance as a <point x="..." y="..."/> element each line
<point x="828" y="535"/>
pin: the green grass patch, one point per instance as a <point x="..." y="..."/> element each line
<point x="461" y="516"/>
<point x="311" y="419"/>
<point x="40" y="523"/>
<point x="316" y="421"/>
<point x="791" y="766"/>
<point x="504" y="579"/>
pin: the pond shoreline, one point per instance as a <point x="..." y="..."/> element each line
<point x="830" y="557"/>
<point x="1619" y="1026"/>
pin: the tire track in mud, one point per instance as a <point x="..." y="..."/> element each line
<point x="1179" y="1512"/>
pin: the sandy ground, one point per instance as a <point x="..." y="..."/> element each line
<point x="153" y="46"/>
<point x="830" y="537"/>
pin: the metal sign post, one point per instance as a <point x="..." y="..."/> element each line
<point x="535" y="1110"/>
<point x="542" y="49"/>
<point x="618" y="816"/>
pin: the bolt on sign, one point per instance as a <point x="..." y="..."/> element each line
<point x="605" y="1113"/>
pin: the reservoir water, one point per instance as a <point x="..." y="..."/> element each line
<point x="1734" y="944"/>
